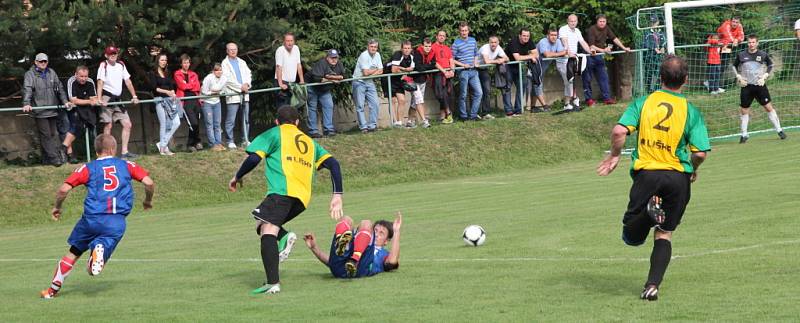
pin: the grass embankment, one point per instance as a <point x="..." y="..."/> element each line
<point x="372" y="160"/>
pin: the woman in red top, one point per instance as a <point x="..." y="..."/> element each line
<point x="188" y="84"/>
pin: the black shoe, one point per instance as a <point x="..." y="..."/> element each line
<point x="782" y="135"/>
<point x="537" y="110"/>
<point x="546" y="108"/>
<point x="743" y="139"/>
<point x="330" y="134"/>
<point x="315" y="135"/>
<point x="73" y="159"/>
<point x="650" y="293"/>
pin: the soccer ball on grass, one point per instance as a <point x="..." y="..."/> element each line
<point x="474" y="235"/>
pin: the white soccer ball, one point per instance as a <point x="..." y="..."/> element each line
<point x="474" y="235"/>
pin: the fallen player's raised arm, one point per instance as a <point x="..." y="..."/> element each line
<point x="392" y="261"/>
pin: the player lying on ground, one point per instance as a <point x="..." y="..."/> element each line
<point x="109" y="200"/>
<point x="365" y="253"/>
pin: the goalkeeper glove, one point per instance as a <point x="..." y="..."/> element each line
<point x="740" y="80"/>
<point x="762" y="80"/>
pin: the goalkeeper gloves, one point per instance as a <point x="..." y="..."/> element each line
<point x="740" y="80"/>
<point x="762" y="80"/>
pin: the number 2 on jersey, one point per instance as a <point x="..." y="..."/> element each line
<point x="658" y="125"/>
<point x="110" y="180"/>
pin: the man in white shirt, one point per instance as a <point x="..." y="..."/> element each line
<point x="238" y="77"/>
<point x="288" y="68"/>
<point x="492" y="53"/>
<point x="570" y="37"/>
<point x="110" y="76"/>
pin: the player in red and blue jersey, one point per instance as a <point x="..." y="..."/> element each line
<point x="364" y="254"/>
<point x="109" y="199"/>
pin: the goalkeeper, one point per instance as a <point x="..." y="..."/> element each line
<point x="751" y="74"/>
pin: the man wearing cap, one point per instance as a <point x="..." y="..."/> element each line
<point x="288" y="68"/>
<point x="110" y="75"/>
<point x="326" y="70"/>
<point x="42" y="87"/>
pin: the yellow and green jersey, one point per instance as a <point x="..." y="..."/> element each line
<point x="670" y="129"/>
<point x="292" y="160"/>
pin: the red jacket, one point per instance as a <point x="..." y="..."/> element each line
<point x="442" y="53"/>
<point x="714" y="47"/>
<point x="727" y="34"/>
<point x="183" y="86"/>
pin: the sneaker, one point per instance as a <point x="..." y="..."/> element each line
<point x="48" y="293"/>
<point x="705" y="83"/>
<point x="217" y="147"/>
<point x="351" y="266"/>
<point x="411" y="124"/>
<point x="568" y="108"/>
<point x="609" y="101"/>
<point x="650" y="293"/>
<point x="397" y="124"/>
<point x="288" y="243"/>
<point x="488" y="117"/>
<point x="244" y="144"/>
<point x="448" y="119"/>
<point x="267" y="289"/>
<point x="782" y="135"/>
<point x="654" y="209"/>
<point x="537" y="110"/>
<point x="365" y="130"/>
<point x="426" y="124"/>
<point x="315" y="135"/>
<point x="720" y="90"/>
<point x="192" y="149"/>
<point x="590" y="102"/>
<point x="329" y="134"/>
<point x="96" y="261"/>
<point x="546" y="108"/>
<point x="129" y="155"/>
<point x="342" y="242"/>
<point x="198" y="146"/>
<point x="518" y="114"/>
<point x="167" y="152"/>
<point x="231" y="145"/>
<point x="743" y="139"/>
<point x="509" y="114"/>
<point x="73" y="159"/>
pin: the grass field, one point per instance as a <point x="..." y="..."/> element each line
<point x="553" y="253"/>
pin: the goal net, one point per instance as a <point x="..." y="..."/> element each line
<point x="712" y="87"/>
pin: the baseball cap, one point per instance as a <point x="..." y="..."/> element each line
<point x="41" y="57"/>
<point x="112" y="50"/>
<point x="333" y="53"/>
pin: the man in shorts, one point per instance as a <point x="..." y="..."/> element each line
<point x="752" y="77"/>
<point x="110" y="75"/>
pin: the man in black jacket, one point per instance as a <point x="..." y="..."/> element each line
<point x="424" y="60"/>
<point x="42" y="88"/>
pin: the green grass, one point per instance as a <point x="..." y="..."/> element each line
<point x="553" y="253"/>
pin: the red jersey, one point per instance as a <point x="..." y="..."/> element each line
<point x="714" y="47"/>
<point x="442" y="53"/>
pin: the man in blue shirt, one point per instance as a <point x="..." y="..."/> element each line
<point x="369" y="64"/>
<point x="465" y="54"/>
<point x="364" y="254"/>
<point x="548" y="47"/>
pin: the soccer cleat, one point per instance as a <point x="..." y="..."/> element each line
<point x="48" y="293"/>
<point x="267" y="289"/>
<point x="782" y="135"/>
<point x="650" y="293"/>
<point x="342" y="242"/>
<point x="351" y="266"/>
<point x="654" y="210"/>
<point x="743" y="139"/>
<point x="288" y="243"/>
<point x="96" y="261"/>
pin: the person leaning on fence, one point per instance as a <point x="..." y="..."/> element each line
<point x="40" y="88"/>
<point x="597" y="36"/>
<point x="81" y="93"/>
<point x="465" y="54"/>
<point x="401" y="62"/>
<point x="288" y="69"/>
<point x="326" y="70"/>
<point x="188" y="84"/>
<point x="570" y="37"/>
<point x="443" y="81"/>
<point x="213" y="84"/>
<point x="653" y="40"/>
<point x="548" y="47"/>
<point x="492" y="53"/>
<point x="521" y="50"/>
<point x="731" y="35"/>
<point x="239" y="78"/>
<point x="714" y="65"/>
<point x="424" y="60"/>
<point x="369" y="64"/>
<point x="111" y="73"/>
<point x="167" y="105"/>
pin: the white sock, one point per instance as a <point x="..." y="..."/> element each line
<point x="773" y="117"/>
<point x="745" y="120"/>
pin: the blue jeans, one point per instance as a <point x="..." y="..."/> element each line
<point x="520" y="92"/>
<point x="714" y="76"/>
<point x="166" y="126"/>
<point x="595" y="66"/>
<point x="365" y="90"/>
<point x="469" y="77"/>
<point x="212" y="114"/>
<point x="230" y="120"/>
<point x="325" y="99"/>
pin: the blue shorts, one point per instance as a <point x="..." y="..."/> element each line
<point x="336" y="263"/>
<point x="100" y="229"/>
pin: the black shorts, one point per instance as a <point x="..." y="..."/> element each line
<point x="750" y="92"/>
<point x="277" y="209"/>
<point x="674" y="189"/>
